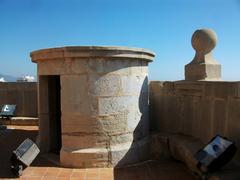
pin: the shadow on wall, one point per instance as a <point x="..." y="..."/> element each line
<point x="139" y="149"/>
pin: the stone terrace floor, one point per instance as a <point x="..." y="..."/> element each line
<point x="42" y="169"/>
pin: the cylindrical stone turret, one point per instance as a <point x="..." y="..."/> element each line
<point x="103" y="100"/>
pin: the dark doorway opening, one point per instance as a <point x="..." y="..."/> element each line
<point x="54" y="105"/>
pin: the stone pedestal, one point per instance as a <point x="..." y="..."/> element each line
<point x="203" y="66"/>
<point x="203" y="72"/>
<point x="104" y="104"/>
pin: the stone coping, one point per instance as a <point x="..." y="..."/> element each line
<point x="20" y="121"/>
<point x="92" y="51"/>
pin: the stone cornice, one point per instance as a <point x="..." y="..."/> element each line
<point x="92" y="51"/>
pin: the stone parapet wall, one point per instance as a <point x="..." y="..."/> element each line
<point x="201" y="109"/>
<point x="23" y="94"/>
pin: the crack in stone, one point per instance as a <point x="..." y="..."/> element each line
<point x="108" y="147"/>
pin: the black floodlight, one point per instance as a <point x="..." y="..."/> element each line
<point x="8" y="111"/>
<point x="218" y="152"/>
<point x="23" y="156"/>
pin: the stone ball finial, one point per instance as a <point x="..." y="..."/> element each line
<point x="204" y="40"/>
<point x="203" y="66"/>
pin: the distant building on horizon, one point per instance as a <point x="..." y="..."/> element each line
<point x="2" y="79"/>
<point x="26" y="78"/>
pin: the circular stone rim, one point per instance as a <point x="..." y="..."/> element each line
<point x="92" y="51"/>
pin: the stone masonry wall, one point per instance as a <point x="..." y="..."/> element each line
<point x="102" y="105"/>
<point x="200" y="109"/>
<point x="23" y="94"/>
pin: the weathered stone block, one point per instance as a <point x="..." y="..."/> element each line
<point x="233" y="123"/>
<point x="78" y="66"/>
<point x="113" y="105"/>
<point x="81" y="140"/>
<point x="221" y="89"/>
<point x="144" y="70"/>
<point x="203" y="72"/>
<point x="78" y="123"/>
<point x="51" y="67"/>
<point x="203" y="120"/>
<point x="75" y="97"/>
<point x="183" y="148"/>
<point x="136" y="67"/>
<point x="133" y="118"/>
<point x="117" y="66"/>
<point x="134" y="85"/>
<point x="104" y="85"/>
<point x="92" y="157"/>
<point x="189" y="88"/>
<point x="114" y="124"/>
<point x="96" y="65"/>
<point x="220" y="118"/>
<point x="126" y="137"/>
<point x="159" y="147"/>
<point x="130" y="153"/>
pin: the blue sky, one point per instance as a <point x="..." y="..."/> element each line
<point x="163" y="26"/>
